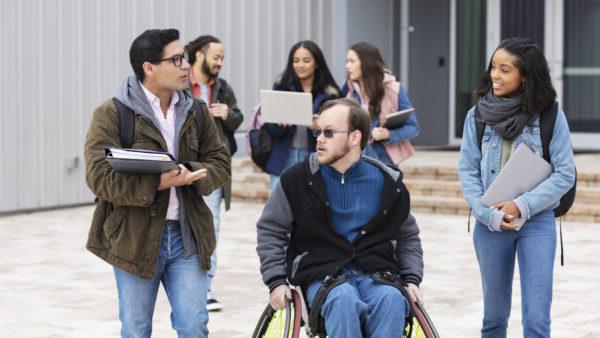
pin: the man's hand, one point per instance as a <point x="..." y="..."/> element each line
<point x="278" y="296"/>
<point x="173" y="178"/>
<point x="219" y="110"/>
<point x="511" y="211"/>
<point x="380" y="134"/>
<point x="414" y="293"/>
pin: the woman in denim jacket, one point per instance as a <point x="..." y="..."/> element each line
<point x="377" y="91"/>
<point x="514" y="91"/>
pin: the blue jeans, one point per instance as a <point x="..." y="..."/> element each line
<point x="535" y="247"/>
<point x="296" y="156"/>
<point x="184" y="282"/>
<point x="361" y="307"/>
<point x="213" y="201"/>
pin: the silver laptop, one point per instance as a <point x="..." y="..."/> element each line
<point x="523" y="171"/>
<point x="289" y="107"/>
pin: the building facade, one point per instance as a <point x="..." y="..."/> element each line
<point x="63" y="57"/>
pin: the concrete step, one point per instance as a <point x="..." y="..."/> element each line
<point x="453" y="205"/>
<point x="434" y="189"/>
<point x="426" y="187"/>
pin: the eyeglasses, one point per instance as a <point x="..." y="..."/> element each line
<point x="176" y="59"/>
<point x="328" y="133"/>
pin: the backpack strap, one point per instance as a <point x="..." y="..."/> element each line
<point x="126" y="123"/>
<point x="200" y="107"/>
<point x="315" y="321"/>
<point x="547" y="121"/>
<point x="479" y="127"/>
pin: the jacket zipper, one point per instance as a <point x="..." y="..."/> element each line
<point x="343" y="193"/>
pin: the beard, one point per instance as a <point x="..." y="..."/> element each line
<point x="206" y="70"/>
<point x="334" y="156"/>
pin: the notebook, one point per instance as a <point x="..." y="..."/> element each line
<point x="397" y="119"/>
<point x="140" y="161"/>
<point x="288" y="107"/>
<point x="523" y="171"/>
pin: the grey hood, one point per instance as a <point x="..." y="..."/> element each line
<point x="131" y="94"/>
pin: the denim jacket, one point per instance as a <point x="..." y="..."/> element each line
<point x="477" y="168"/>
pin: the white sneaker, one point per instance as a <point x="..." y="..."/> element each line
<point x="212" y="304"/>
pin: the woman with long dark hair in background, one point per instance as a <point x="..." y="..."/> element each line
<point x="305" y="71"/>
<point x="372" y="85"/>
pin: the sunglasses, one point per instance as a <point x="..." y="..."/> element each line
<point x="328" y="133"/>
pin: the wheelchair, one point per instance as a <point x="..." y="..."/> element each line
<point x="287" y="322"/>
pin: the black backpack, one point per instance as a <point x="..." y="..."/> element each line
<point x="127" y="120"/>
<point x="260" y="143"/>
<point x="547" y="121"/>
<point x="222" y="97"/>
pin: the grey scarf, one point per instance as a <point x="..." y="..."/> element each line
<point x="503" y="114"/>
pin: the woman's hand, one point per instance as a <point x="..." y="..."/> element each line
<point x="380" y="134"/>
<point x="511" y="212"/>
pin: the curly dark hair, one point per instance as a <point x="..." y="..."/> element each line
<point x="538" y="92"/>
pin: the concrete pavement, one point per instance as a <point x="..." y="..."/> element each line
<point x="50" y="286"/>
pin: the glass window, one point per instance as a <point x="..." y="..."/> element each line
<point x="470" y="56"/>
<point x="582" y="65"/>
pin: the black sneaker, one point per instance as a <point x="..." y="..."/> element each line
<point x="213" y="305"/>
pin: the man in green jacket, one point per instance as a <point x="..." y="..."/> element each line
<point x="206" y="54"/>
<point x="155" y="228"/>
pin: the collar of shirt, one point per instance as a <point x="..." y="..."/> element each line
<point x="195" y="84"/>
<point x="155" y="101"/>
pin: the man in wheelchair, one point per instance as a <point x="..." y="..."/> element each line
<point x="339" y="226"/>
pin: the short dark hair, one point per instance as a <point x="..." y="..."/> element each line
<point x="201" y="43"/>
<point x="149" y="47"/>
<point x="538" y="92"/>
<point x="358" y="118"/>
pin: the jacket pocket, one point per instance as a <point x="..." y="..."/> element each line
<point x="113" y="220"/>
<point x="532" y="139"/>
<point x="189" y="148"/>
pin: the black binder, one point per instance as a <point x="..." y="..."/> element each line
<point x="397" y="119"/>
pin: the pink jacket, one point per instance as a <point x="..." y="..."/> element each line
<point x="397" y="152"/>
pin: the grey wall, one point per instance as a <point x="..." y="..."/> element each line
<point x="62" y="58"/>
<point x="372" y="21"/>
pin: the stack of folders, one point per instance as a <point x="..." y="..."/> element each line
<point x="140" y="161"/>
<point x="523" y="171"/>
<point x="397" y="119"/>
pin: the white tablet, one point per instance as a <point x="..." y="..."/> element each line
<point x="289" y="107"/>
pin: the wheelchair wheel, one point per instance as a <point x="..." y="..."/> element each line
<point x="284" y="323"/>
<point x="419" y="324"/>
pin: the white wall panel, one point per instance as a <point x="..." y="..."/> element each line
<point x="61" y="59"/>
